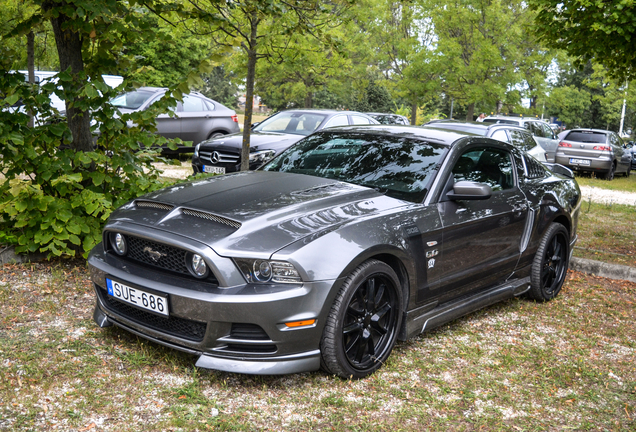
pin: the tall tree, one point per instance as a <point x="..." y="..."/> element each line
<point x="476" y="48"/>
<point x="604" y="31"/>
<point x="251" y="26"/>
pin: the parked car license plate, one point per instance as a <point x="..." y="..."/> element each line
<point x="213" y="169"/>
<point x="579" y="161"/>
<point x="137" y="297"/>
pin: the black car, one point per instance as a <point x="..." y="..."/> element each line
<point x="269" y="138"/>
<point x="352" y="239"/>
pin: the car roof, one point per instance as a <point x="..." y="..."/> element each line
<point x="386" y="114"/>
<point x="319" y="111"/>
<point x="477" y="128"/>
<point x="521" y="119"/>
<point x="590" y="130"/>
<point x="440" y="136"/>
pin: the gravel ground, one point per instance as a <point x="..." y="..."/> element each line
<point x="605" y="196"/>
<point x="598" y="195"/>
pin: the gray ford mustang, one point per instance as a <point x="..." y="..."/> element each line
<point x="348" y="241"/>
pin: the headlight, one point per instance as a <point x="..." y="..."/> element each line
<point x="261" y="156"/>
<point x="118" y="243"/>
<point x="263" y="271"/>
<point x="196" y="150"/>
<point x="197" y="266"/>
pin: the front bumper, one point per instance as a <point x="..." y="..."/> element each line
<point x="237" y="329"/>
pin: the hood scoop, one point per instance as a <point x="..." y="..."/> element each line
<point x="153" y="205"/>
<point x="212" y="217"/>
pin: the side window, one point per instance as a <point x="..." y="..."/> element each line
<point x="340" y="120"/>
<point x="500" y="135"/>
<point x="359" y="120"/>
<point x="192" y="104"/>
<point x="547" y="131"/>
<point x="488" y="165"/>
<point x="519" y="139"/>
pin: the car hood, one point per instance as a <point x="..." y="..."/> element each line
<point x="254" y="214"/>
<point x="258" y="141"/>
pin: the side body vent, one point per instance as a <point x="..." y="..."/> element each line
<point x="534" y="169"/>
<point x="154" y="205"/>
<point x="212" y="217"/>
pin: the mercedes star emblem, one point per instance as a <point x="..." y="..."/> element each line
<point x="215" y="157"/>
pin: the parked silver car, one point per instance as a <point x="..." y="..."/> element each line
<point x="594" y="150"/>
<point x="542" y="132"/>
<point x="197" y="118"/>
<point x="512" y="134"/>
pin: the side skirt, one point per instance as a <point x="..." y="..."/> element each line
<point x="424" y="318"/>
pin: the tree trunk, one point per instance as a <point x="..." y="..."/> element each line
<point x="470" y="111"/>
<point x="309" y="100"/>
<point x="31" y="66"/>
<point x="249" y="94"/>
<point x="69" y="50"/>
<point x="414" y="113"/>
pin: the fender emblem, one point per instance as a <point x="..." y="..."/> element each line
<point x="154" y="255"/>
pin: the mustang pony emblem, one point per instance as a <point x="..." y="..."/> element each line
<point x="154" y="255"/>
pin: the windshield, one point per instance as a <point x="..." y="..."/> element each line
<point x="131" y="100"/>
<point x="297" y="123"/>
<point x="400" y="167"/>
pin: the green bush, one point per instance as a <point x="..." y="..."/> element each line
<point x="54" y="199"/>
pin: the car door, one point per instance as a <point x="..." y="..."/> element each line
<point x="623" y="157"/>
<point x="167" y="125"/>
<point x="481" y="238"/>
<point x="548" y="141"/>
<point x="196" y="119"/>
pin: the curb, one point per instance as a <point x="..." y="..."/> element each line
<point x="607" y="270"/>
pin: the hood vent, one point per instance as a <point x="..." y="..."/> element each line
<point x="212" y="217"/>
<point x="154" y="205"/>
<point x="328" y="188"/>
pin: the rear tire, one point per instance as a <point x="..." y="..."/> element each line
<point x="363" y="323"/>
<point x="550" y="264"/>
<point x="609" y="176"/>
<point x="215" y="135"/>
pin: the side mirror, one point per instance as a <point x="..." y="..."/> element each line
<point x="254" y="125"/>
<point x="468" y="190"/>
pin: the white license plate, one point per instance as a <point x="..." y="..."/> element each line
<point x="579" y="161"/>
<point x="213" y="169"/>
<point x="137" y="297"/>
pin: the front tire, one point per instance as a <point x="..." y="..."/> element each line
<point x="363" y="323"/>
<point x="550" y="264"/>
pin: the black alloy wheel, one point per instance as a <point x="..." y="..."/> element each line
<point x="363" y="323"/>
<point x="550" y="264"/>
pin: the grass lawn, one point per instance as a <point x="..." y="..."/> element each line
<point x="519" y="365"/>
<point x="620" y="182"/>
<point x="255" y="118"/>
<point x="607" y="233"/>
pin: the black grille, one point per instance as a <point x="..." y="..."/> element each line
<point x="169" y="257"/>
<point x="248" y="332"/>
<point x="174" y="326"/>
<point x="260" y="349"/>
<point x="533" y="167"/>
